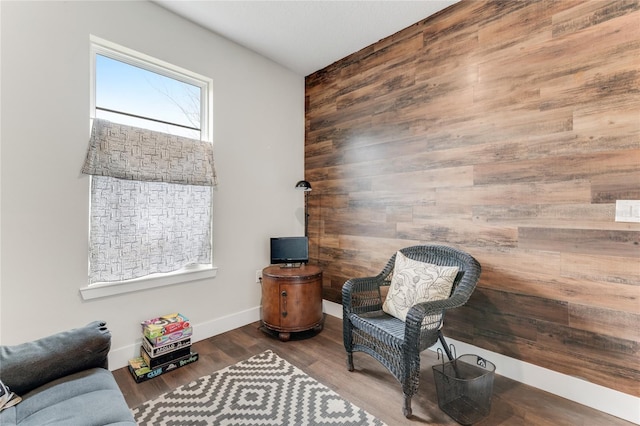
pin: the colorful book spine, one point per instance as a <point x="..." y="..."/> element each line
<point x="142" y="372"/>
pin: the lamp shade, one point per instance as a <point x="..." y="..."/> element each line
<point x="303" y="185"/>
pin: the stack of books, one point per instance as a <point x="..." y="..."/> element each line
<point x="166" y="345"/>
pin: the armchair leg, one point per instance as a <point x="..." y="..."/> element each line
<point x="350" y="362"/>
<point x="406" y="409"/>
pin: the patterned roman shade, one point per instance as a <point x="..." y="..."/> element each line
<point x="133" y="153"/>
<point x="151" y="202"/>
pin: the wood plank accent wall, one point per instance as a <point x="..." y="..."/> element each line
<point x="507" y="129"/>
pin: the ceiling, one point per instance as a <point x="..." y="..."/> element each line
<point x="305" y="36"/>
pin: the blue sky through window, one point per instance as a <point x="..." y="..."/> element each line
<point x="134" y="90"/>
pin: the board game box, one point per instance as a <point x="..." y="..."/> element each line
<point x="164" y="325"/>
<point x="163" y="359"/>
<point x="171" y="337"/>
<point x="155" y="351"/>
<point x="142" y="372"/>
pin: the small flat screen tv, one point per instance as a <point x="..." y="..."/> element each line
<point x="289" y="251"/>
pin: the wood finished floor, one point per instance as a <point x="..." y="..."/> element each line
<point x="370" y="386"/>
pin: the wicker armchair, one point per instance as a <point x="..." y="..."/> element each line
<point x="394" y="343"/>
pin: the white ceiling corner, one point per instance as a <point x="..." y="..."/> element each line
<point x="305" y="36"/>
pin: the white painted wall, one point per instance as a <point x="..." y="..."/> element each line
<point x="259" y="154"/>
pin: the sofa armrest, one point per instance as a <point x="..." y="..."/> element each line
<point x="29" y="365"/>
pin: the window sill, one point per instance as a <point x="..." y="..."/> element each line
<point x="97" y="290"/>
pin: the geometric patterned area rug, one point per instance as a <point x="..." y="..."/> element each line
<point x="262" y="390"/>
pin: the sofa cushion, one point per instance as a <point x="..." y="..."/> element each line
<point x="416" y="282"/>
<point x="88" y="398"/>
<point x="26" y="366"/>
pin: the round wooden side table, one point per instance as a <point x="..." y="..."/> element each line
<point x="292" y="299"/>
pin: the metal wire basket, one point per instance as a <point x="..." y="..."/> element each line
<point x="465" y="387"/>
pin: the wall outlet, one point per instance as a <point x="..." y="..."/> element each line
<point x="259" y="276"/>
<point x="628" y="211"/>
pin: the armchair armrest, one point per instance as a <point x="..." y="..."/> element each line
<point x="420" y="311"/>
<point x="419" y="336"/>
<point x="361" y="295"/>
<point x="29" y="365"/>
<point x="437" y="308"/>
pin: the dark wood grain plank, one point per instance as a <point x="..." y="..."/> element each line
<point x="586" y="241"/>
<point x="508" y="129"/>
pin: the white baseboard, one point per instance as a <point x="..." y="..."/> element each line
<point x="607" y="400"/>
<point x="603" y="399"/>
<point x="119" y="357"/>
<point x="332" y="308"/>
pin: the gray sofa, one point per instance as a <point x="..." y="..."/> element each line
<point x="63" y="379"/>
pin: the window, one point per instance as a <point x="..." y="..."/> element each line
<point x="151" y="164"/>
<point x="129" y="94"/>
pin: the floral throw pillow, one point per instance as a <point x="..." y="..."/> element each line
<point x="416" y="282"/>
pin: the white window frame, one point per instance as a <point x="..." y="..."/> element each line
<point x="191" y="273"/>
